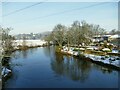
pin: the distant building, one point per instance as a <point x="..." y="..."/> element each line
<point x="106" y="37"/>
<point x="101" y="38"/>
<point x="115" y="39"/>
<point x="97" y="38"/>
<point x="116" y="36"/>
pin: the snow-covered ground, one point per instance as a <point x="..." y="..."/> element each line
<point x="29" y="42"/>
<point x="5" y="71"/>
<point x="69" y="51"/>
<point x="112" y="60"/>
<point x="115" y="51"/>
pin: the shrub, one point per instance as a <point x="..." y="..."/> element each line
<point x="76" y="49"/>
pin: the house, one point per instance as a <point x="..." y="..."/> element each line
<point x="116" y="36"/>
<point x="97" y="38"/>
<point x="106" y="37"/>
<point x="115" y="39"/>
<point x="101" y="38"/>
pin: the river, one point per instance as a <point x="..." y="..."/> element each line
<point x="43" y="68"/>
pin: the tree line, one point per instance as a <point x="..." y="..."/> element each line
<point x="78" y="33"/>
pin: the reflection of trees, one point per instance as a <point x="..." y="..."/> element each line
<point x="5" y="61"/>
<point x="47" y="51"/>
<point x="32" y="50"/>
<point x="84" y="68"/>
<point x="70" y="67"/>
<point x="57" y="64"/>
<point x="23" y="53"/>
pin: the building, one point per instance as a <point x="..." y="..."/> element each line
<point x="97" y="38"/>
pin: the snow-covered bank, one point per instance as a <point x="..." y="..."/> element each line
<point x="111" y="60"/>
<point x="106" y="59"/>
<point x="70" y="51"/>
<point x="5" y="71"/>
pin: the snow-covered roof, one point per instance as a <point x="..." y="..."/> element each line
<point x="107" y="35"/>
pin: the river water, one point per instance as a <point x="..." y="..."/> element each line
<point x="43" y="68"/>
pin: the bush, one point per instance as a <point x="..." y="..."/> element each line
<point x="76" y="49"/>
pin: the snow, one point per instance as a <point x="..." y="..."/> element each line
<point x="115" y="51"/>
<point x="112" y="60"/>
<point x="5" y="71"/>
<point x="71" y="48"/>
<point x="106" y="49"/>
<point x="65" y="48"/>
<point x="29" y="42"/>
<point x="90" y="48"/>
<point x="82" y="49"/>
<point x="70" y="52"/>
<point x="75" y="53"/>
<point x="115" y="36"/>
<point x="116" y="63"/>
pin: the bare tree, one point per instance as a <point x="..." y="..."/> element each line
<point x="59" y="34"/>
<point x="76" y="34"/>
<point x="7" y="40"/>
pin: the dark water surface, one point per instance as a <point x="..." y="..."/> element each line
<point x="43" y="68"/>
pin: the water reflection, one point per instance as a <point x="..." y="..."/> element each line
<point x="74" y="71"/>
<point x="74" y="68"/>
<point x="23" y="53"/>
<point x="68" y="66"/>
<point x="49" y="51"/>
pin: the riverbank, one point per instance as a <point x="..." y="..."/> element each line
<point x="26" y="44"/>
<point x="102" y="59"/>
<point x="107" y="59"/>
<point x="43" y="66"/>
<point x="6" y="71"/>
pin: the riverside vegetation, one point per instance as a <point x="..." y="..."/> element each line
<point x="78" y="35"/>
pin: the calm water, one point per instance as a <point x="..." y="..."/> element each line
<point x="43" y="68"/>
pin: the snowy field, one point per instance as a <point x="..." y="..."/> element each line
<point x="29" y="42"/>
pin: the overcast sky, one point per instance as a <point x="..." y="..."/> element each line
<point x="44" y="16"/>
